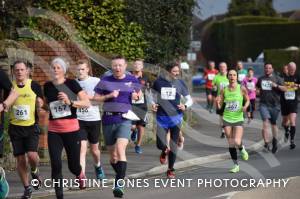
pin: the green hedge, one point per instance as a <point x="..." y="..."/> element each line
<point x="238" y="38"/>
<point x="280" y="57"/>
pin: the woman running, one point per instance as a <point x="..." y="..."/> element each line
<point x="250" y="84"/>
<point x="232" y="98"/>
<point x="63" y="96"/>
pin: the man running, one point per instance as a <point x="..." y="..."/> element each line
<point x="235" y="99"/>
<point x="219" y="82"/>
<point x="269" y="88"/>
<point x="10" y="95"/>
<point x="250" y="84"/>
<point x="242" y="73"/>
<point x="117" y="91"/>
<point x="139" y="107"/>
<point x="89" y="119"/>
<point x="22" y="132"/>
<point x="289" y="103"/>
<point x="209" y="75"/>
<point x="169" y="113"/>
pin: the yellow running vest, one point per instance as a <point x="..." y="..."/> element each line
<point x="22" y="112"/>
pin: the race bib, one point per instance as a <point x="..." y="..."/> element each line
<point x="21" y="112"/>
<point x="289" y="95"/>
<point x="168" y="93"/>
<point x="250" y="85"/>
<point x="82" y="112"/>
<point x="232" y="106"/>
<point x="140" y="101"/>
<point x="241" y="77"/>
<point x="59" y="110"/>
<point x="223" y="85"/>
<point x="211" y="76"/>
<point x="266" y="85"/>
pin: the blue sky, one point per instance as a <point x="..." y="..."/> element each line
<point x="215" y="7"/>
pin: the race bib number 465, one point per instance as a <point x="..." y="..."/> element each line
<point x="21" y="112"/>
<point x="266" y="85"/>
<point x="168" y="93"/>
<point x="59" y="110"/>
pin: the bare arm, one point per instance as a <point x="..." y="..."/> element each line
<point x="246" y="97"/>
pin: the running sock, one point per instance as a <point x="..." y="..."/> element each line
<point x="121" y="167"/>
<point x="286" y="128"/>
<point x="98" y="164"/>
<point x="172" y="158"/>
<point x="27" y="187"/>
<point x="34" y="170"/>
<point x="114" y="166"/>
<point x="293" y="132"/>
<point x="241" y="147"/>
<point x="233" y="154"/>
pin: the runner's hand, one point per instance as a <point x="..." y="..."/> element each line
<point x="181" y="107"/>
<point x="154" y="107"/>
<point x="244" y="109"/>
<point x="64" y="98"/>
<point x="114" y="94"/>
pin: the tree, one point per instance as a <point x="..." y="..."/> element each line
<point x="166" y="26"/>
<point x="251" y="7"/>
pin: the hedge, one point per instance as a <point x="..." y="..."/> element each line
<point x="280" y="57"/>
<point x="238" y="38"/>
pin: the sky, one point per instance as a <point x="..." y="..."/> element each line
<point x="216" y="7"/>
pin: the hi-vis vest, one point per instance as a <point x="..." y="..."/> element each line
<point x="22" y="112"/>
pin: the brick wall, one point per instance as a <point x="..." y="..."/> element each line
<point x="45" y="51"/>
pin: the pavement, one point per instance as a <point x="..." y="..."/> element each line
<point x="202" y="145"/>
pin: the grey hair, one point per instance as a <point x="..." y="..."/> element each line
<point x="61" y="61"/>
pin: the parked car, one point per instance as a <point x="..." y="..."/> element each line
<point x="198" y="78"/>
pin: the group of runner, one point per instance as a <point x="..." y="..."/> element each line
<point x="74" y="117"/>
<point x="75" y="121"/>
<point x="234" y="92"/>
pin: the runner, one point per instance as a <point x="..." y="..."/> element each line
<point x="169" y="113"/>
<point x="219" y="82"/>
<point x="289" y="103"/>
<point x="250" y="84"/>
<point x="117" y="91"/>
<point x="22" y="130"/>
<point x="242" y="73"/>
<point x="269" y="88"/>
<point x="89" y="119"/>
<point x="232" y="98"/>
<point x="140" y="106"/>
<point x="63" y="96"/>
<point x="209" y="75"/>
<point x="285" y="120"/>
<point x="11" y="95"/>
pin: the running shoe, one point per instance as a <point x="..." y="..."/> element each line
<point x="118" y="192"/>
<point x="99" y="173"/>
<point x="163" y="156"/>
<point x="171" y="173"/>
<point x="4" y="187"/>
<point x="211" y="110"/>
<point x="286" y="136"/>
<point x="292" y="145"/>
<point x="138" y="149"/>
<point x="134" y="135"/>
<point x="180" y="143"/>
<point x="82" y="180"/>
<point x="27" y="193"/>
<point x="36" y="176"/>
<point x="235" y="169"/>
<point x="244" y="154"/>
<point x="274" y="145"/>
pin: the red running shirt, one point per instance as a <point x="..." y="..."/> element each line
<point x="209" y="75"/>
